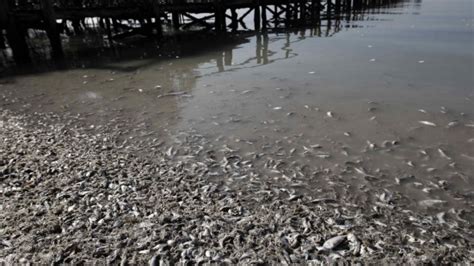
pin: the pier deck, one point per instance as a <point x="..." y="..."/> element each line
<point x="56" y="16"/>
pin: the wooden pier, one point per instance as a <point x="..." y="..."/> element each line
<point x="58" y="17"/>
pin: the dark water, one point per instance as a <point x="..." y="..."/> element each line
<point x="343" y="101"/>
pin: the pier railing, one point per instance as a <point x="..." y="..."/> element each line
<point x="58" y="17"/>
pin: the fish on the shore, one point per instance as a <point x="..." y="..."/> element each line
<point x="431" y="202"/>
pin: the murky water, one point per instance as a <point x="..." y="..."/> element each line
<point x="383" y="100"/>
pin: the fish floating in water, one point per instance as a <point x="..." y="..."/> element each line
<point x="443" y="154"/>
<point x="427" y="123"/>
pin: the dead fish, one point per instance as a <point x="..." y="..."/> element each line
<point x="399" y="180"/>
<point x="443" y="154"/>
<point x="330" y="114"/>
<point x="440" y="217"/>
<point x="431" y="202"/>
<point x="423" y="111"/>
<point x="177" y="93"/>
<point x="292" y="151"/>
<point x="467" y="157"/>
<point x="452" y="124"/>
<point x="170" y="152"/>
<point x="347" y="134"/>
<point x="427" y="123"/>
<point x="307" y="149"/>
<point x="372" y="146"/>
<point x="354" y="244"/>
<point x="332" y="243"/>
<point x="469" y="125"/>
<point x="245" y="92"/>
<point x="361" y="171"/>
<point x="323" y="156"/>
<point x="277" y="108"/>
<point x="430" y="170"/>
<point x="427" y="190"/>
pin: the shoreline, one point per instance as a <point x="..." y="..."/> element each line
<point x="69" y="195"/>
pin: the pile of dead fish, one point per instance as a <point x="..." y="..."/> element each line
<point x="71" y="194"/>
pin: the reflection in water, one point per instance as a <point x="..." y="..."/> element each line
<point x="337" y="116"/>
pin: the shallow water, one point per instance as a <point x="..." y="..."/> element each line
<point x="341" y="102"/>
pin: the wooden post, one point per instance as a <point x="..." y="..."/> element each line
<point x="303" y="12"/>
<point x="220" y="63"/>
<point x="256" y="15"/>
<point x="49" y="17"/>
<point x="15" y="36"/>
<point x="348" y="6"/>
<point x="328" y="9"/>
<point x="235" y="19"/>
<point x="228" y="57"/>
<point x="258" y="51"/>
<point x="109" y="31"/>
<point x="288" y="13"/>
<point x="175" y="18"/>
<point x="318" y="9"/>
<point x="264" y="17"/>
<point x="2" y="40"/>
<point x="265" y="49"/>
<point x="3" y="24"/>
<point x="338" y="7"/>
<point x="156" y="11"/>
<point x="220" y="16"/>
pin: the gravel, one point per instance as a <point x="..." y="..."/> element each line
<point x="76" y="194"/>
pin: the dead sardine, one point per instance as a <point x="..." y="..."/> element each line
<point x="452" y="124"/>
<point x="354" y="244"/>
<point x="431" y="202"/>
<point x="332" y="243"/>
<point x="443" y="154"/>
<point x="467" y="157"/>
<point x="323" y="155"/>
<point x="427" y="123"/>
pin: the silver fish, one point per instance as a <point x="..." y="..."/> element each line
<point x="443" y="154"/>
<point x="431" y="202"/>
<point x="332" y="243"/>
<point x="427" y="123"/>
